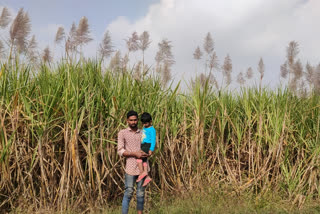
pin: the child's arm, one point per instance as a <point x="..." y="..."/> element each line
<point x="153" y="141"/>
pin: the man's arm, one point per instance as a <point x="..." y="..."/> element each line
<point x="120" y="146"/>
<point x="139" y="154"/>
<point x="123" y="152"/>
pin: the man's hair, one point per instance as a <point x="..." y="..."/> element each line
<point x="146" y="117"/>
<point x="132" y="113"/>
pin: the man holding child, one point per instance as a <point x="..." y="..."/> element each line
<point x="129" y="146"/>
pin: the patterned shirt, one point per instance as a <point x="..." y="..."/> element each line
<point x="129" y="140"/>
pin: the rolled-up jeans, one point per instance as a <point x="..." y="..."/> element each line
<point x="130" y="180"/>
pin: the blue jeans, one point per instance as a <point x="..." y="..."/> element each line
<point x="130" y="180"/>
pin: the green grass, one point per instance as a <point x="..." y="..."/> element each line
<point x="220" y="202"/>
<point x="202" y="203"/>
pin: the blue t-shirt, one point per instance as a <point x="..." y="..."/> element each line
<point x="149" y="136"/>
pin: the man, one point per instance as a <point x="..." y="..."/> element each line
<point x="129" y="143"/>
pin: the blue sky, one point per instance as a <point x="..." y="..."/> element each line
<point x="99" y="12"/>
<point x="244" y="29"/>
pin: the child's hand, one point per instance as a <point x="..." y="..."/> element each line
<point x="150" y="152"/>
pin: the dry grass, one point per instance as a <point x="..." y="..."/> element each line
<point x="106" y="47"/>
<point x="58" y="132"/>
<point x="5" y="18"/>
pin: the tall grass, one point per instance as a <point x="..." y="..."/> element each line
<point x="59" y="127"/>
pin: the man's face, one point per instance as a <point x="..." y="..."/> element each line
<point x="133" y="122"/>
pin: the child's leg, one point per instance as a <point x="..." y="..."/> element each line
<point x="145" y="171"/>
<point x="142" y="171"/>
<point x="144" y="147"/>
<point x="145" y="167"/>
<point x="139" y="161"/>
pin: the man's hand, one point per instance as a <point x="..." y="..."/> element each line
<point x="141" y="154"/>
<point x="150" y="152"/>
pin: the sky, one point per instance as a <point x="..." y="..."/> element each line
<point x="244" y="29"/>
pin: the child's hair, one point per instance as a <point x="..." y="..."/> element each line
<point x="146" y="117"/>
<point x="132" y="113"/>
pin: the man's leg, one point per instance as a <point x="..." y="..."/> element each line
<point x="129" y="183"/>
<point x="140" y="196"/>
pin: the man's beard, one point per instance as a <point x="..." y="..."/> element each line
<point x="133" y="126"/>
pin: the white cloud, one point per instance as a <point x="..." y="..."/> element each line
<point x="246" y="29"/>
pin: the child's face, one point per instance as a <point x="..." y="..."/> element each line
<point x="147" y="124"/>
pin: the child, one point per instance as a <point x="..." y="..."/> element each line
<point x="148" y="143"/>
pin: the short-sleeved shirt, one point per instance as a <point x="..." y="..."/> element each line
<point x="129" y="140"/>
